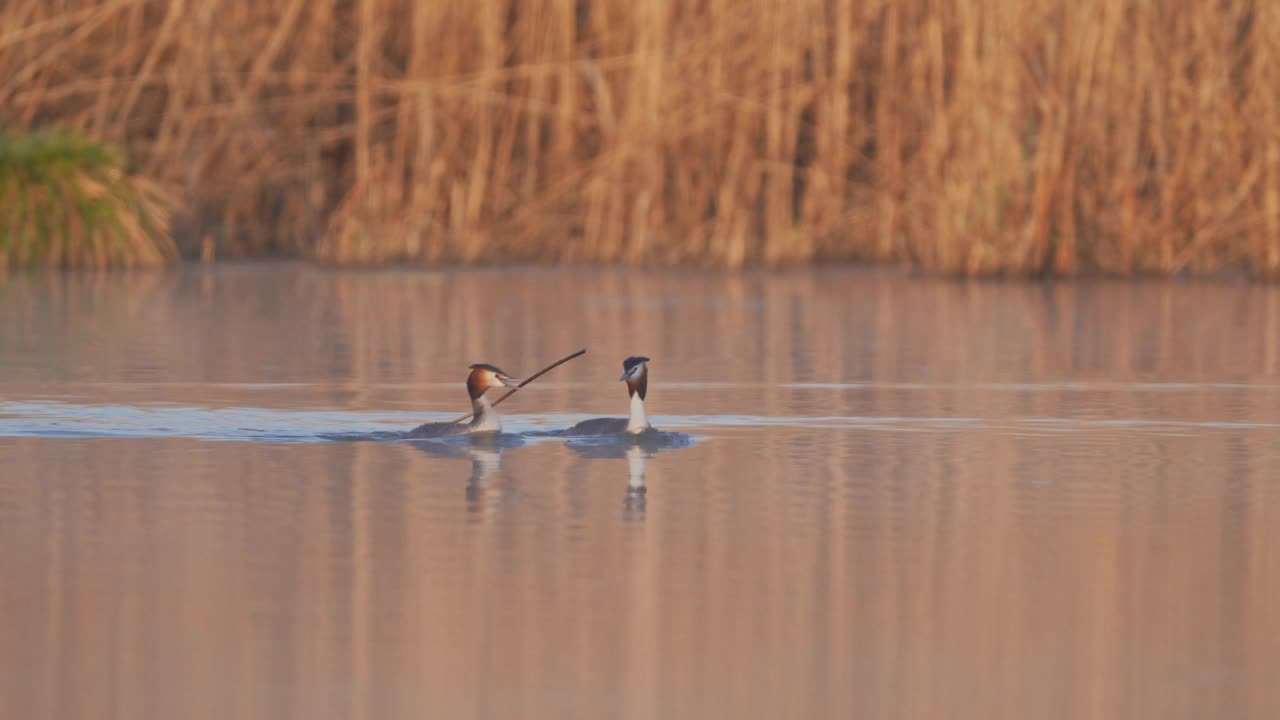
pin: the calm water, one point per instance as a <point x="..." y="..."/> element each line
<point x="905" y="499"/>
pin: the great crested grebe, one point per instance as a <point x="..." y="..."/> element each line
<point x="635" y="371"/>
<point x="484" y="418"/>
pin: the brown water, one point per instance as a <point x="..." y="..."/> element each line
<point x="904" y="499"/>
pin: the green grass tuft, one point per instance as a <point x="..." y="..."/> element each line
<point x="67" y="201"/>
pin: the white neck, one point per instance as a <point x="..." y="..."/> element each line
<point x="485" y="418"/>
<point x="638" y="421"/>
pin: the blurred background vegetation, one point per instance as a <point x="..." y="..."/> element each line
<point x="68" y="201"/>
<point x="963" y="136"/>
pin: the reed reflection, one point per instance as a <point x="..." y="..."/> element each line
<point x="1049" y="557"/>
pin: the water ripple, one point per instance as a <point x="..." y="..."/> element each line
<point x="53" y="419"/>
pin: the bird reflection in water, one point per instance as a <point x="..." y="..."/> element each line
<point x="636" y="450"/>
<point x="485" y="454"/>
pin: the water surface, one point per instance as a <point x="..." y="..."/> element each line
<point x="904" y="498"/>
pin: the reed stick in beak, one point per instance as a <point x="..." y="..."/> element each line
<point x="521" y="383"/>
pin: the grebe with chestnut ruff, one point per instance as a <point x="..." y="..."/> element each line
<point x="483" y="377"/>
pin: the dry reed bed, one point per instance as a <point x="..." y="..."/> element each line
<point x="998" y="136"/>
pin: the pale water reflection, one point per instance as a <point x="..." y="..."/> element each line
<point x="906" y="499"/>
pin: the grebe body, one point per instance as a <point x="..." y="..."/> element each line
<point x="484" y="418"/>
<point x="635" y="373"/>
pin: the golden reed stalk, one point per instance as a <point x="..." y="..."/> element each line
<point x="965" y="136"/>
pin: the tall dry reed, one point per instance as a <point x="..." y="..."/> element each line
<point x="992" y="136"/>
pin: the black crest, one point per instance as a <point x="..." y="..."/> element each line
<point x="632" y="362"/>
